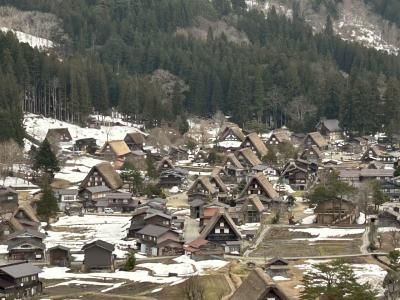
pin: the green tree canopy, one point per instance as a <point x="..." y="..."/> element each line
<point x="45" y="160"/>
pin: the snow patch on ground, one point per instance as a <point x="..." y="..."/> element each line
<point x="78" y="231"/>
<point x="309" y="220"/>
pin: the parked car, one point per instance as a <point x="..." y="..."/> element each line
<point x="108" y="210"/>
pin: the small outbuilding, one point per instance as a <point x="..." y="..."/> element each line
<point x="59" y="256"/>
<point x="98" y="255"/>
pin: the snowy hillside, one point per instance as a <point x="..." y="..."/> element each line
<point x="37" y="127"/>
<point x="33" y="41"/>
<point x="355" y="22"/>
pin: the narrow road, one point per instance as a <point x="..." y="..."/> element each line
<point x="365" y="241"/>
<point x="258" y="241"/>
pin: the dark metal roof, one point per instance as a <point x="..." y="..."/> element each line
<point x="153" y="230"/>
<point x="20" y="269"/>
<point x="101" y="244"/>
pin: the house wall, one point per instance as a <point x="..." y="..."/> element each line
<point x="96" y="257"/>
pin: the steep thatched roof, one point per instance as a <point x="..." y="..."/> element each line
<point x="280" y="136"/>
<point x="264" y="184"/>
<point x="249" y="156"/>
<point x="205" y="182"/>
<point x="58" y="133"/>
<point x="318" y="139"/>
<point x="29" y="212"/>
<point x="218" y="182"/>
<point x="165" y="160"/>
<point x="231" y="158"/>
<point x="135" y="137"/>
<point x="220" y="214"/>
<point x="231" y="128"/>
<point x="108" y="173"/>
<point x="255" y="200"/>
<point x="257" y="143"/>
<point x="257" y="286"/>
<point x="120" y="148"/>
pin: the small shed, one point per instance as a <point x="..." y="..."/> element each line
<point x="277" y="267"/>
<point x="59" y="256"/>
<point x="98" y="256"/>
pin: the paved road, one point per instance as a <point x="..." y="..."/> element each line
<point x="191" y="229"/>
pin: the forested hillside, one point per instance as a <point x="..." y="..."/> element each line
<point x="389" y="9"/>
<point x="279" y="74"/>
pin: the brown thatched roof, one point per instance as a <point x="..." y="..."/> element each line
<point x="110" y="176"/>
<point x="135" y="137"/>
<point x="58" y="133"/>
<point x="231" y="128"/>
<point x="257" y="286"/>
<point x="280" y="137"/>
<point x="165" y="160"/>
<point x="264" y="184"/>
<point x="120" y="148"/>
<point x="205" y="182"/>
<point x="249" y="156"/>
<point x="233" y="160"/>
<point x="28" y="210"/>
<point x="257" y="143"/>
<point x="315" y="149"/>
<point x="214" y="220"/>
<point x="256" y="202"/>
<point x="318" y="139"/>
<point x="218" y="182"/>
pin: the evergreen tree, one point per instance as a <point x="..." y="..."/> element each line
<point x="130" y="261"/>
<point x="45" y="160"/>
<point x="47" y="206"/>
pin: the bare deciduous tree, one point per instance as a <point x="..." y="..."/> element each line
<point x="395" y="237"/>
<point x="10" y="155"/>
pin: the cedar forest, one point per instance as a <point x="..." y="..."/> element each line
<point x="284" y="75"/>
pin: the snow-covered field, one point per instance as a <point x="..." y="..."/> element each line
<point x="76" y="231"/>
<point x="327" y="233"/>
<point x="37" y="126"/>
<point x="373" y="274"/>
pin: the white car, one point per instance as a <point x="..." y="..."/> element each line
<point x="108" y="210"/>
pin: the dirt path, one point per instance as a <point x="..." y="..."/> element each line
<point x="365" y="241"/>
<point x="258" y="241"/>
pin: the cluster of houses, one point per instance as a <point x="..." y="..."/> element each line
<point x="242" y="185"/>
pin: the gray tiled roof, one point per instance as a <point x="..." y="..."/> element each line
<point x="153" y="230"/>
<point x="20" y="270"/>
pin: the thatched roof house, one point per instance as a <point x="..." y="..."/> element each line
<point x="247" y="158"/>
<point x="260" y="186"/>
<point x="315" y="138"/>
<point x="254" y="142"/>
<point x="102" y="173"/>
<point x="259" y="286"/>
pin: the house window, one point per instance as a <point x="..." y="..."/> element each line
<point x="221" y="224"/>
<point x="10" y="197"/>
<point x="226" y="230"/>
<point x="217" y="230"/>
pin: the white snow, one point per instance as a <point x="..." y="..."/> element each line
<point x="174" y="190"/>
<point x="116" y="285"/>
<point x="388" y="229"/>
<point x="280" y="278"/>
<point x="325" y="233"/>
<point x="309" y="220"/>
<point x="371" y="273"/>
<point x="201" y="266"/>
<point x="361" y="218"/>
<point x="17" y="182"/>
<point x="249" y="226"/>
<point x="160" y="269"/>
<point x="78" y="231"/>
<point x="33" y="41"/>
<point x="229" y="144"/>
<point x="37" y="126"/>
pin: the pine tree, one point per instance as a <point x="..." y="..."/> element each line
<point x="45" y="160"/>
<point x="47" y="206"/>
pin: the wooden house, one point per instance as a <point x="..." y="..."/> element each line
<point x="157" y="240"/>
<point x="196" y="208"/>
<point x="390" y="217"/>
<point x="117" y="201"/>
<point x="260" y="186"/>
<point x="98" y="255"/>
<point x="134" y="141"/>
<point x="312" y="154"/>
<point x="336" y="212"/>
<point x="114" y="150"/>
<point x="26" y="245"/>
<point x="67" y="199"/>
<point x="8" y="196"/>
<point x="26" y="216"/>
<point x="233" y="168"/>
<point x="277" y="267"/>
<point x="296" y="174"/>
<point x="20" y="280"/>
<point x="200" y="248"/>
<point x="177" y="154"/>
<point x="146" y="216"/>
<point x="254" y="142"/>
<point x="164" y="165"/>
<point x="90" y="195"/>
<point x="59" y="135"/>
<point x="247" y="158"/>
<point x="330" y="129"/>
<point x="221" y="229"/>
<point x="59" y="256"/>
<point x="250" y="209"/>
<point x="278" y="138"/>
<point x="375" y="153"/>
<point x="86" y="144"/>
<point x="259" y="286"/>
<point x="220" y="186"/>
<point x="102" y="174"/>
<point x="172" y="177"/>
<point x="202" y="187"/>
<point x="201" y="157"/>
<point x="316" y="139"/>
<point x="230" y="138"/>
